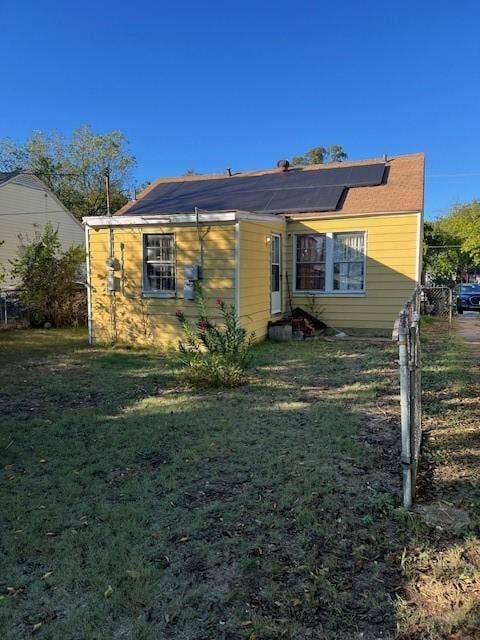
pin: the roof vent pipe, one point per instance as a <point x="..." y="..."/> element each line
<point x="283" y="165"/>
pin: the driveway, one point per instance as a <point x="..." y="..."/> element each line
<point x="468" y="327"/>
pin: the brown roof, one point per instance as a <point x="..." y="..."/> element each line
<point x="402" y="189"/>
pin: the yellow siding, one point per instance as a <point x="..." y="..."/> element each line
<point x="128" y="316"/>
<point x="391" y="270"/>
<point x="255" y="273"/>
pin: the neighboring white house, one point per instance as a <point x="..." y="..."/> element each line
<point x="26" y="205"/>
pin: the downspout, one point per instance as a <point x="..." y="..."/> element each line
<point x="88" y="285"/>
<point x="111" y="257"/>
<point x="201" y="238"/>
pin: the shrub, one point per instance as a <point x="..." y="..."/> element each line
<point x="215" y="355"/>
<point x="47" y="276"/>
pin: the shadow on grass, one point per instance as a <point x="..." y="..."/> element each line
<point x="442" y="566"/>
<point x="137" y="508"/>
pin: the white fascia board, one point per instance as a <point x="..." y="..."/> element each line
<point x="176" y="219"/>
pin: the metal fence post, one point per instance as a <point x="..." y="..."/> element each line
<point x="406" y="455"/>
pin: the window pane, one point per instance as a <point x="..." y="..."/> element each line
<point x="275" y="277"/>
<point x="348" y="276"/>
<point x="311" y="248"/>
<point x="348" y="266"/>
<point x="348" y="247"/>
<point x="159" y="248"/>
<point x="275" y="250"/>
<point x="310" y="277"/>
<point x="160" y="277"/>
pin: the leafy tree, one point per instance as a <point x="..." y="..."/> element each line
<point x="75" y="168"/>
<point x="463" y="223"/>
<point x="442" y="258"/>
<point x="47" y="276"/>
<point x="336" y="153"/>
<point x="320" y="155"/>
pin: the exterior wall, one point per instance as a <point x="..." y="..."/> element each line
<point x="129" y="315"/>
<point x="392" y="270"/>
<point x="24" y="210"/>
<point x="254" y="304"/>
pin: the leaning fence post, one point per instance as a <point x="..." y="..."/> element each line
<point x="406" y="455"/>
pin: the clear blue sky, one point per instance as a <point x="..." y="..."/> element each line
<point x="209" y="85"/>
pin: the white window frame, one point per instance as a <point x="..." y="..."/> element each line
<point x="147" y="293"/>
<point x="329" y="290"/>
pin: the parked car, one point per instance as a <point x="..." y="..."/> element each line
<point x="468" y="297"/>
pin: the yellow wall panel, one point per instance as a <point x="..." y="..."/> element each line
<point x="391" y="270"/>
<point x="130" y="316"/>
<point x="255" y="273"/>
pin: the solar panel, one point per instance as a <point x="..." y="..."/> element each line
<point x="295" y="190"/>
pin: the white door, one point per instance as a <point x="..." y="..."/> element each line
<point x="276" y="273"/>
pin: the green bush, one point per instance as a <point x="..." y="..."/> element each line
<point x="47" y="280"/>
<point x="215" y="355"/>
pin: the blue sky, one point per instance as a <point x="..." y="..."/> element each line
<point x="210" y="85"/>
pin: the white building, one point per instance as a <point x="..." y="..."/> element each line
<point x="26" y="205"/>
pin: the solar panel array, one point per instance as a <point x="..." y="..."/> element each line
<point x="295" y="190"/>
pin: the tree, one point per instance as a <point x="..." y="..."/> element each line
<point x="443" y="259"/>
<point x="463" y="223"/>
<point x="75" y="168"/>
<point x="47" y="276"/>
<point x="320" y="155"/>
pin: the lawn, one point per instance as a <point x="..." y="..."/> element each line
<point x="133" y="507"/>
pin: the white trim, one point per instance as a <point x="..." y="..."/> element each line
<point x="419" y="246"/>
<point x="177" y="219"/>
<point x="280" y="265"/>
<point x="88" y="285"/>
<point x="159" y="294"/>
<point x="237" y="269"/>
<point x="328" y="292"/>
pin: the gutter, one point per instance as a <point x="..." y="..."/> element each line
<point x="88" y="285"/>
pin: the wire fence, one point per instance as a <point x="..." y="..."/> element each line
<point x="437" y="301"/>
<point x="407" y="333"/>
<point x="433" y="301"/>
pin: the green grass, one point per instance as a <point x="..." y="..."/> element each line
<point x="441" y="571"/>
<point x="200" y="514"/>
<point x="133" y="507"/>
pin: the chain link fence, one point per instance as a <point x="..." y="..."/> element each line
<point x="407" y="333"/>
<point x="433" y="301"/>
<point x="12" y="311"/>
<point x="437" y="301"/>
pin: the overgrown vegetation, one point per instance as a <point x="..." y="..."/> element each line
<point x="47" y="277"/>
<point x="215" y="354"/>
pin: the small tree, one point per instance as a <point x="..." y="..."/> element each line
<point x="47" y="280"/>
<point x="215" y="355"/>
<point x="320" y="155"/>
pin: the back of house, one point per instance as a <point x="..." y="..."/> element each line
<point x="26" y="206"/>
<point x="342" y="241"/>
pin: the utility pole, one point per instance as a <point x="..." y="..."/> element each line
<point x="107" y="189"/>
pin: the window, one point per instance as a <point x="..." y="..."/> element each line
<point x="330" y="263"/>
<point x="348" y="261"/>
<point x="310" y="262"/>
<point x="159" y="263"/>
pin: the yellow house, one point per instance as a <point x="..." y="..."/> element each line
<point x="343" y="241"/>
